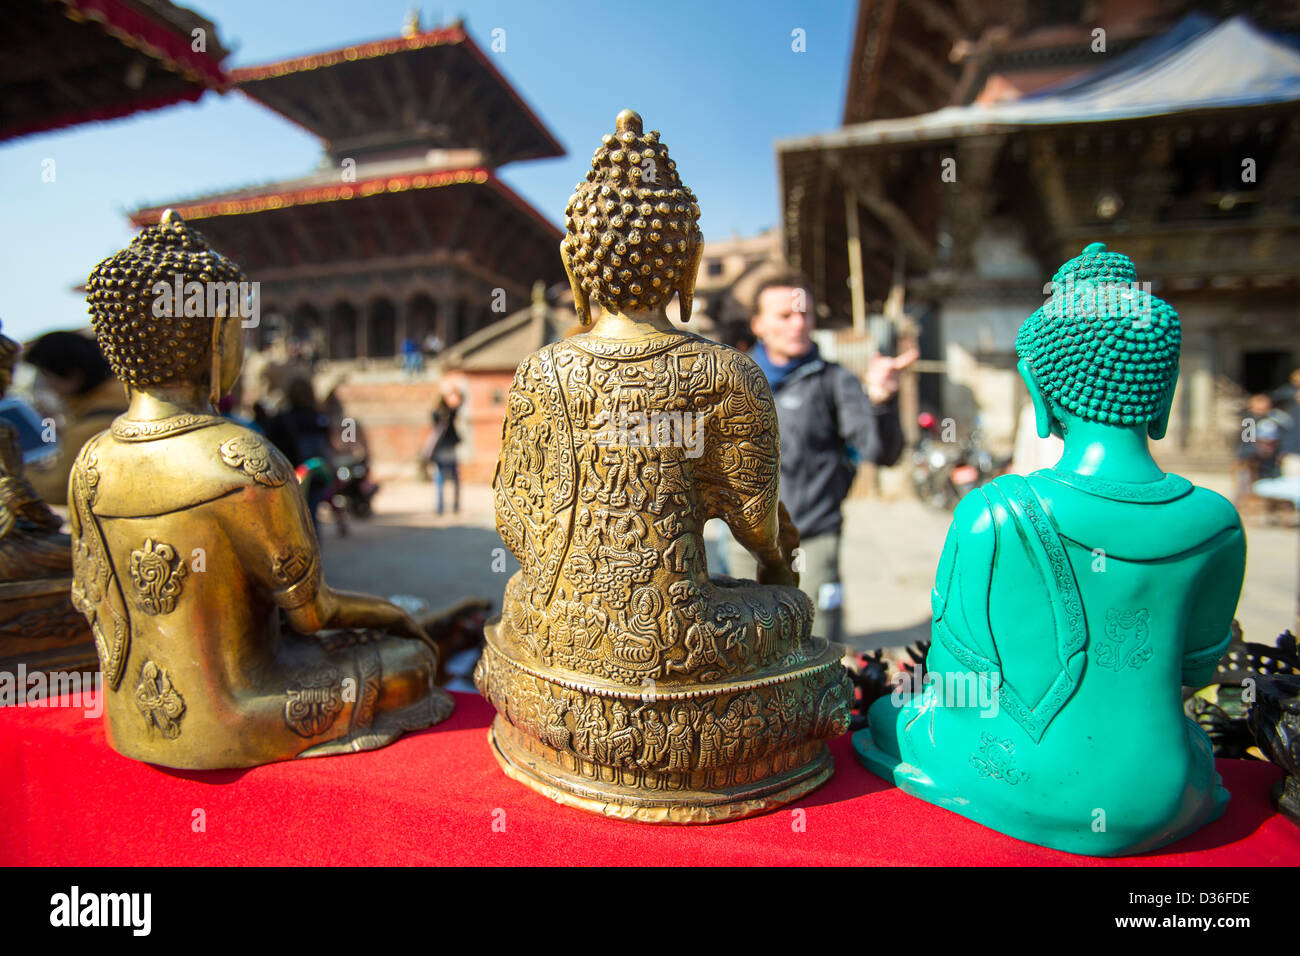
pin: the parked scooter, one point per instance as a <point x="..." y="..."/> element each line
<point x="944" y="472"/>
<point x="353" y="490"/>
<point x="932" y="463"/>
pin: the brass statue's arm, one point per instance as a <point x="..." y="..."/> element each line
<point x="291" y="569"/>
<point x="747" y="459"/>
<point x="349" y="609"/>
<point x="773" y="543"/>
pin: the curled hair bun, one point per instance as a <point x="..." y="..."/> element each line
<point x="632" y="228"/>
<point x="144" y="348"/>
<point x="1102" y="347"/>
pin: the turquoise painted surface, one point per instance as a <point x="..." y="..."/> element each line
<point x="1070" y="608"/>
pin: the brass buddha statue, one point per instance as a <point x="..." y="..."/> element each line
<point x="39" y="627"/>
<point x="191" y="540"/>
<point x="627" y="681"/>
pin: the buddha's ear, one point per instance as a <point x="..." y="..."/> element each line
<point x="1043" y="417"/>
<point x="227" y="355"/>
<point x="580" y="304"/>
<point x="1157" y="427"/>
<point x="686" y="283"/>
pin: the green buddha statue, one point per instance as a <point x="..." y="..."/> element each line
<point x="1070" y="607"/>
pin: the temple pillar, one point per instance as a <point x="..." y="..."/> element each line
<point x="401" y="314"/>
<point x="445" y="323"/>
<point x="857" y="288"/>
<point x="363" y="332"/>
<point x="1197" y="379"/>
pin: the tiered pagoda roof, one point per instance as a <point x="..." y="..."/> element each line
<point x="434" y="90"/>
<point x="406" y="203"/>
<point x="411" y="218"/>
<point x="64" y="62"/>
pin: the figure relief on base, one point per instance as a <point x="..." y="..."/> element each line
<point x="190" y="540"/>
<point x="627" y="681"/>
<point x="1071" y="606"/>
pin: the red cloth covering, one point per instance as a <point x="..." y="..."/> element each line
<point x="433" y="797"/>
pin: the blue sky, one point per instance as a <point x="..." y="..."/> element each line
<point x="718" y="79"/>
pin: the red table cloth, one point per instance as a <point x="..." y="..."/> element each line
<point x="438" y="797"/>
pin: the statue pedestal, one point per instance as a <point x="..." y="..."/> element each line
<point x="703" y="753"/>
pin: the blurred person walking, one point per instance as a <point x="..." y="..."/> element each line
<point x="1287" y="398"/>
<point x="302" y="433"/>
<point x="1260" y="450"/>
<point x="440" y="449"/>
<point x="412" y="357"/>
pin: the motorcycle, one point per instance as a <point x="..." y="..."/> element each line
<point x="353" y="490"/>
<point x="944" y="472"/>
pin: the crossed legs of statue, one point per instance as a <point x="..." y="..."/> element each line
<point x="819" y="578"/>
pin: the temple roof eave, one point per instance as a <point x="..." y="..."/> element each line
<point x="303" y="192"/>
<point x="266" y="83"/>
<point x="81" y="71"/>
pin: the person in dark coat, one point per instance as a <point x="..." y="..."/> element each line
<point x="829" y="426"/>
<point x="441" y="447"/>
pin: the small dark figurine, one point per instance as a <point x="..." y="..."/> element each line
<point x="1220" y="707"/>
<point x="1274" y="719"/>
<point x="872" y="680"/>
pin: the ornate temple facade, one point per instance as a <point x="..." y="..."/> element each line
<point x="405" y="229"/>
<point x="985" y="142"/>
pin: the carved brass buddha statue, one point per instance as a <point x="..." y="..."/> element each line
<point x="191" y="539"/>
<point x="627" y="681"/>
<point x="1070" y="607"/>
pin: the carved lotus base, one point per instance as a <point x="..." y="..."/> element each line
<point x="684" y="754"/>
<point x="613" y="792"/>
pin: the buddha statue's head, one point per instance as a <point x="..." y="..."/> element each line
<point x="144" y="307"/>
<point x="632" y="229"/>
<point x="1101" y="349"/>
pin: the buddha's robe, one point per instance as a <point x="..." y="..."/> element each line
<point x="186" y="547"/>
<point x="614" y="455"/>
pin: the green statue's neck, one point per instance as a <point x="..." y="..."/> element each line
<point x="1112" y="452"/>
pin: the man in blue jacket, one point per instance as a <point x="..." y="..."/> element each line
<point x="828" y="426"/>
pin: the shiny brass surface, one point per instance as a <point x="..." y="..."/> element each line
<point x="39" y="627"/>
<point x="191" y="542"/>
<point x="627" y="681"/>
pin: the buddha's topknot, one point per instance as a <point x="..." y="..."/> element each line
<point x="632" y="227"/>
<point x="1101" y="347"/>
<point x="144" y="348"/>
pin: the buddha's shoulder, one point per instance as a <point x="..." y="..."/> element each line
<point x="1171" y="521"/>
<point x="1210" y="510"/>
<point x="595" y="347"/>
<point x="974" y="515"/>
<point x="181" y="470"/>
